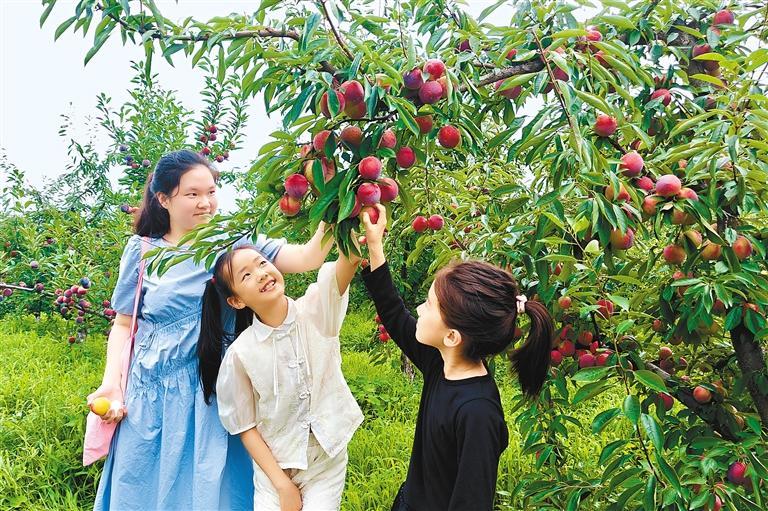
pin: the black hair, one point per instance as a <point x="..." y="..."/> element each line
<point x="153" y="219"/>
<point x="210" y="344"/>
<point x="480" y="301"/>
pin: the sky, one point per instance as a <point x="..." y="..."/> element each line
<point x="41" y="79"/>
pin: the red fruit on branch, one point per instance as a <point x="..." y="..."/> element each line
<point x="622" y="196"/>
<point x="737" y="473"/>
<point x="702" y="395"/>
<point x="369" y="194"/>
<point x="420" y="224"/>
<point x="373" y="213"/>
<point x="509" y="93"/>
<point x="289" y="205"/>
<point x="606" y="308"/>
<point x="668" y="185"/>
<point x="742" y="248"/>
<point x="369" y="168"/>
<point x="405" y="157"/>
<point x="666" y="400"/>
<point x="389" y="189"/>
<point x="622" y="241"/>
<point x="724" y="17"/>
<point x="435" y="222"/>
<point x="567" y="348"/>
<point x="664" y="94"/>
<point x="645" y="183"/>
<point x="425" y="123"/>
<point x="632" y="164"/>
<point x="319" y="140"/>
<point x="674" y="254"/>
<point x="434" y="68"/>
<point x="605" y="125"/>
<point x="431" y="92"/>
<point x="351" y="136"/>
<point x="388" y="139"/>
<point x="413" y="79"/>
<point x="449" y="137"/>
<point x="353" y="92"/>
<point x="325" y="108"/>
<point x="296" y="186"/>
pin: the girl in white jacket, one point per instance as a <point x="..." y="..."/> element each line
<point x="279" y="385"/>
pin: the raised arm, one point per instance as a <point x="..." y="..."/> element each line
<point x="306" y="257"/>
<point x="395" y="316"/>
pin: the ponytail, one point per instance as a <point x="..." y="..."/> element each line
<point x="153" y="219"/>
<point x="210" y="342"/>
<point x="213" y="337"/>
<point x="531" y="360"/>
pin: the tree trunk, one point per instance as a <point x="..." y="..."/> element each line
<point x="752" y="365"/>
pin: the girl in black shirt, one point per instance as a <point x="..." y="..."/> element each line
<point x="469" y="314"/>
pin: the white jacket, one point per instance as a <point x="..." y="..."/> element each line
<point x="286" y="381"/>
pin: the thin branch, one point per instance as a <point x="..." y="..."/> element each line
<point x="335" y="32"/>
<point x="685" y="396"/>
<point x="555" y="85"/>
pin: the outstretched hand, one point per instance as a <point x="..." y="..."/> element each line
<point x="374" y="233"/>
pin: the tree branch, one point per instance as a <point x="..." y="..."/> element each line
<point x="752" y="364"/>
<point x="335" y="32"/>
<point x="704" y="412"/>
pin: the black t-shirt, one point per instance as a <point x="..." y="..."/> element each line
<point x="460" y="431"/>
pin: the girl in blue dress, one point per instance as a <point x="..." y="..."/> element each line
<point x="170" y="450"/>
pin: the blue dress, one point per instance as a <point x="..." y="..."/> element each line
<point x="170" y="451"/>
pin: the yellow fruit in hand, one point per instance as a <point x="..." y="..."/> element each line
<point x="100" y="406"/>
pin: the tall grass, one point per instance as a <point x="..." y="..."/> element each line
<point x="43" y="384"/>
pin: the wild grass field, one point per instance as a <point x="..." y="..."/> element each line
<point x="44" y="381"/>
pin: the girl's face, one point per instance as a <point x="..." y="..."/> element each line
<point x="194" y="201"/>
<point x="430" y="327"/>
<point x="255" y="282"/>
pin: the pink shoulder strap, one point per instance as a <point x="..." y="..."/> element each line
<point x="128" y="349"/>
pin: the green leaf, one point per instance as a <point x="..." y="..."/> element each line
<point x="603" y="418"/>
<point x="649" y="498"/>
<point x="609" y="449"/>
<point x="631" y="408"/>
<point x="589" y="391"/>
<point x="668" y="472"/>
<point x="619" y="21"/>
<point x="591" y="374"/>
<point x="707" y="78"/>
<point x="46" y="12"/>
<point x="651" y="380"/>
<point x="653" y="431"/>
<point x="156" y="13"/>
<point x="693" y="121"/>
<point x="310" y="25"/>
<point x="594" y="101"/>
<point x="63" y="27"/>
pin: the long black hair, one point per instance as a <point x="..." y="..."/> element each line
<point x="480" y="301"/>
<point x="153" y="219"/>
<point x="210" y="344"/>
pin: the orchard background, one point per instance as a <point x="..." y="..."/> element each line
<point x="631" y="203"/>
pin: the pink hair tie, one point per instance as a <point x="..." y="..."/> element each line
<point x="521" y="299"/>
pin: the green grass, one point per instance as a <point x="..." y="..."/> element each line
<point x="44" y="382"/>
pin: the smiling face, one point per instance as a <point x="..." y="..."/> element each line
<point x="430" y="327"/>
<point x="255" y="282"/>
<point x="194" y="201"/>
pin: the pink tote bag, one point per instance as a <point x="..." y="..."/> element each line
<point x="98" y="434"/>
